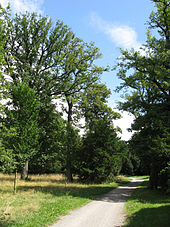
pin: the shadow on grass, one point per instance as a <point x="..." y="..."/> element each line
<point x="150" y="217"/>
<point x="100" y="193"/>
<point x="90" y="192"/>
<point x="153" y="208"/>
<point x="145" y="195"/>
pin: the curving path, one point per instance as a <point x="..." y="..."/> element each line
<point x="106" y="211"/>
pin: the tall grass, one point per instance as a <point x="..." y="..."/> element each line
<point x="39" y="201"/>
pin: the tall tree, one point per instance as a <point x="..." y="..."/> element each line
<point x="100" y="156"/>
<point x="35" y="50"/>
<point x="49" y="159"/>
<point x="53" y="62"/>
<point x="3" y="87"/>
<point x="3" y="38"/>
<point x="78" y="65"/>
<point x="148" y="79"/>
<point x="22" y="116"/>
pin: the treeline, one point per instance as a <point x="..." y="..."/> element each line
<point x="146" y="73"/>
<point x="47" y="72"/>
<point x="51" y="82"/>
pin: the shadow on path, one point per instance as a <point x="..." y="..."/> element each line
<point x="120" y="194"/>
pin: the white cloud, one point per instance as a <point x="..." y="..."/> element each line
<point x="121" y="35"/>
<point x="24" y="5"/>
<point x="124" y="123"/>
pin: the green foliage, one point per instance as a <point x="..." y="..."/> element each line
<point x="131" y="164"/>
<point x="3" y="38"/>
<point x="147" y="75"/>
<point x="21" y="117"/>
<point x="78" y="66"/>
<point x="7" y="163"/>
<point x="100" y="156"/>
<point x="45" y="62"/>
<point x="7" y="160"/>
<point x="94" y="104"/>
<point x="164" y="178"/>
<point x="72" y="145"/>
<point x="36" y="49"/>
<point x="49" y="159"/>
<point x="56" y="64"/>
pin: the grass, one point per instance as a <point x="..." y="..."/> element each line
<point x="39" y="201"/>
<point x="148" y="208"/>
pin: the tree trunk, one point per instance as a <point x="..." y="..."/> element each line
<point x="153" y="180"/>
<point x="69" y="121"/>
<point x="15" y="182"/>
<point x="70" y="111"/>
<point x="69" y="173"/>
<point x="24" y="174"/>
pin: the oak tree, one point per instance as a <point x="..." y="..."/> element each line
<point x="146" y="73"/>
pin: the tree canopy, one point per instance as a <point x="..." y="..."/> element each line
<point x="146" y="73"/>
<point x="46" y="63"/>
<point x="43" y="64"/>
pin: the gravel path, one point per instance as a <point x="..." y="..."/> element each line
<point x="106" y="211"/>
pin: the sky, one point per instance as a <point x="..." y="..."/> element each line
<point x="110" y="24"/>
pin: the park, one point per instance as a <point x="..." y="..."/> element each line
<point x="59" y="147"/>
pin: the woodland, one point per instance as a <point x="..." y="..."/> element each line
<point x="49" y="82"/>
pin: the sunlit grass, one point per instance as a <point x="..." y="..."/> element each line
<point x="39" y="201"/>
<point x="141" y="177"/>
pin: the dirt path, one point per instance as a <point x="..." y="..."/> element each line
<point x="106" y="211"/>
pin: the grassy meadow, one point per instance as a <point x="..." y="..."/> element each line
<point x="148" y="208"/>
<point x="39" y="201"/>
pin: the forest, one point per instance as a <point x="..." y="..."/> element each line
<point x="50" y="91"/>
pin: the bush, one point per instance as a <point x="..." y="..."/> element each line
<point x="164" y="178"/>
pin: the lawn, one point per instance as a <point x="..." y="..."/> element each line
<point x="39" y="201"/>
<point x="148" y="208"/>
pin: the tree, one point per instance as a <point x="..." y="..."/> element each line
<point x="22" y="116"/>
<point x="3" y="38"/>
<point x="53" y="62"/>
<point x="49" y="158"/>
<point x="5" y="160"/>
<point x="94" y="104"/>
<point x="100" y="156"/>
<point x="149" y="100"/>
<point x="78" y="65"/>
<point x="33" y="53"/>
<point x="35" y="50"/>
<point x="72" y="146"/>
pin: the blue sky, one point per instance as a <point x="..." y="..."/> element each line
<point x="110" y="24"/>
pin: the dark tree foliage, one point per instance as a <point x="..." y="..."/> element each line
<point x="100" y="156"/>
<point x="149" y="100"/>
<point x="48" y="159"/>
